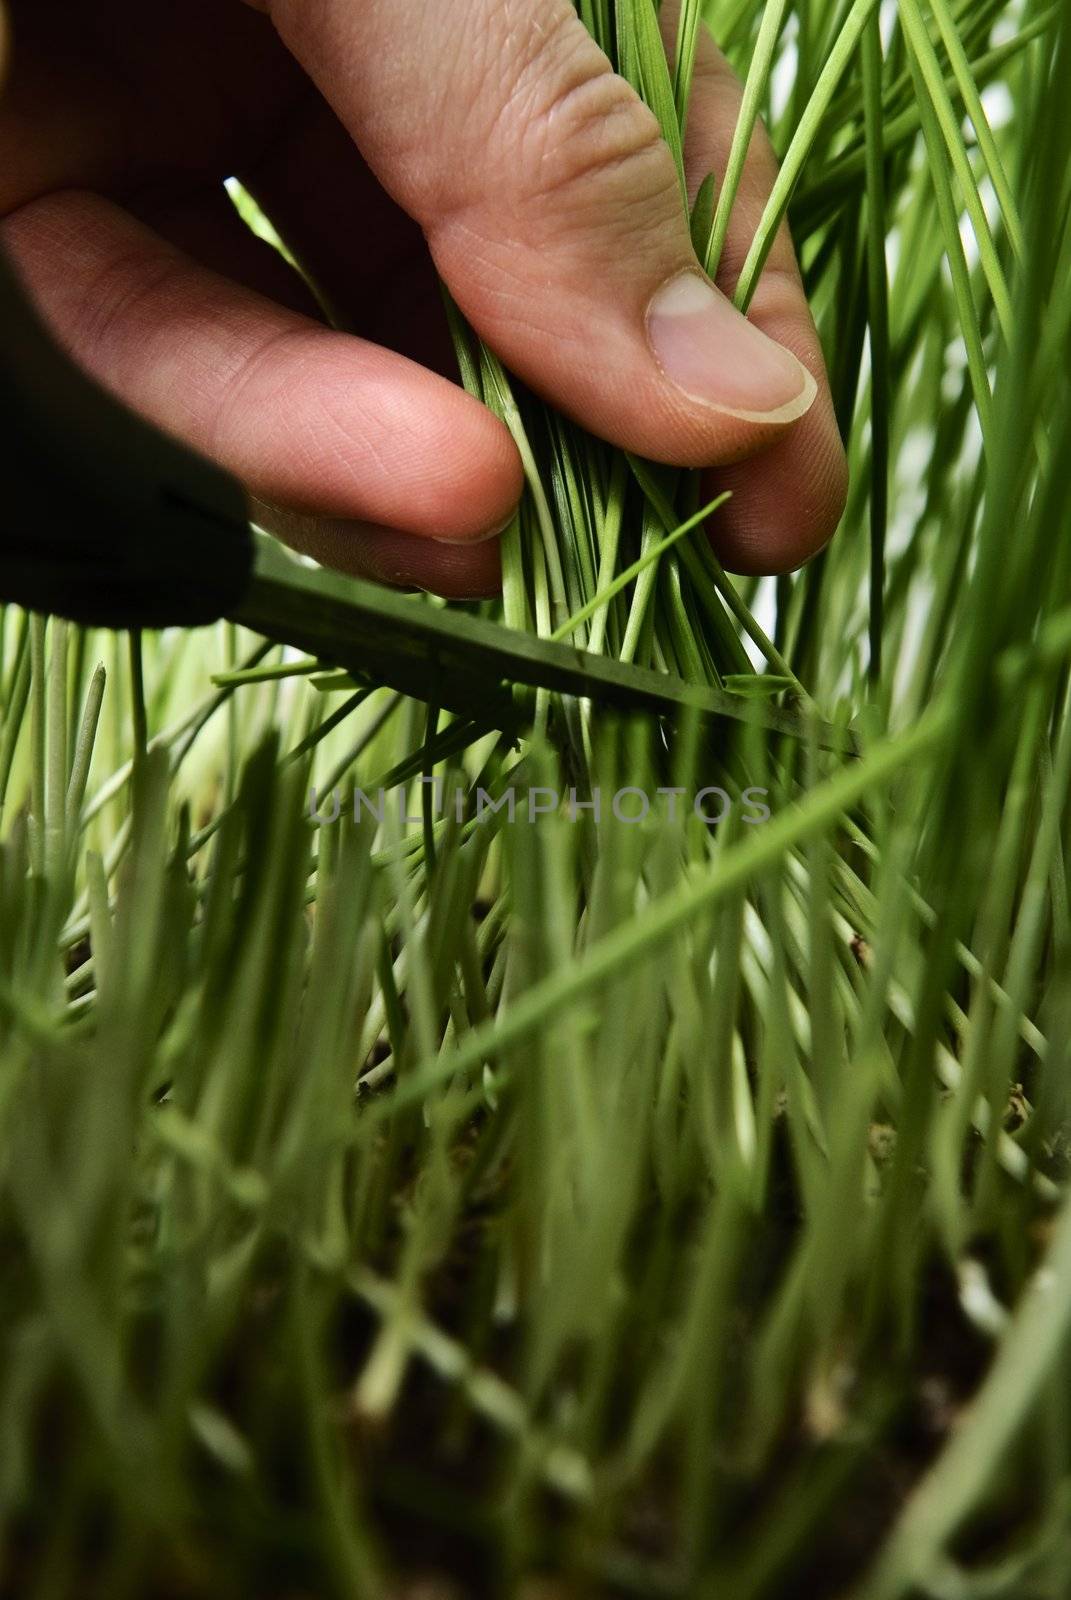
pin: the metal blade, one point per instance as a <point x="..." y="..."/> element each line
<point x="466" y="664"/>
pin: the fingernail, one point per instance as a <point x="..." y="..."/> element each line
<point x="479" y="538"/>
<point x="708" y="350"/>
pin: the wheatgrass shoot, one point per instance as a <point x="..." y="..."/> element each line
<point x="609" y="1156"/>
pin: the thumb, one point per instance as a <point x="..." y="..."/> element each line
<point x="554" y="212"/>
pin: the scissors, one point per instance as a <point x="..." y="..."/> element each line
<point x="110" y="523"/>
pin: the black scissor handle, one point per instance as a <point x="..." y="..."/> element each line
<point x="103" y="518"/>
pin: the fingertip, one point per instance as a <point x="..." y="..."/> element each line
<point x="403" y="561"/>
<point x="481" y="501"/>
<point x="786" y="504"/>
<point x="400" y="560"/>
<point x="371" y="436"/>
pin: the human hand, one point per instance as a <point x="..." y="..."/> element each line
<point x="385" y="139"/>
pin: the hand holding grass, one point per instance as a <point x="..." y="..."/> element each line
<point x="386" y="139"/>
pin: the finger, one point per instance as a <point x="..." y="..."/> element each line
<point x="787" y="503"/>
<point x="309" y="419"/>
<point x="454" y="571"/>
<point x="552" y="209"/>
<point x="207" y="227"/>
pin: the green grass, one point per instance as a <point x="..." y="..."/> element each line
<point x="572" y="1207"/>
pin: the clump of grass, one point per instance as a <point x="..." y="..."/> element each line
<point x="643" y="1208"/>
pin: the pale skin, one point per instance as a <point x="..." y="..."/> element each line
<point x="486" y="140"/>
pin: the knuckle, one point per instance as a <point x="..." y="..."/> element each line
<point x="592" y="130"/>
<point x="597" y="133"/>
<point x="251" y="383"/>
<point x="564" y="128"/>
<point x="122" y="297"/>
<point x="90" y="284"/>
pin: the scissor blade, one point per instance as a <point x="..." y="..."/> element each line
<point x="466" y="664"/>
